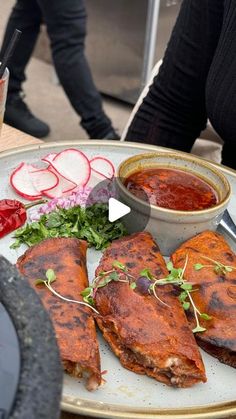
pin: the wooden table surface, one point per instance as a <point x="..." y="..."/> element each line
<point x="10" y="138"/>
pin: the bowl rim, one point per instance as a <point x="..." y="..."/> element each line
<point x="188" y="158"/>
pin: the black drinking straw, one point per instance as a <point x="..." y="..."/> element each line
<point x="9" y="51"/>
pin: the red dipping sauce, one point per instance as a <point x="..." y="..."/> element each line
<point x="172" y="188"/>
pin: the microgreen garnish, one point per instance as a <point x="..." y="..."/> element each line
<point x="50" y="277"/>
<point x="176" y="277"/>
<point x="218" y="267"/>
<point x="146" y="272"/>
<point x="147" y="284"/>
<point x="118" y="273"/>
<point x="197" y="314"/>
<point x="119" y="265"/>
<point x="169" y="266"/>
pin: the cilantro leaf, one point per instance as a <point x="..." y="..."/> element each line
<point x="89" y="223"/>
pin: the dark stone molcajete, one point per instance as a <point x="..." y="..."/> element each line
<point x="38" y="393"/>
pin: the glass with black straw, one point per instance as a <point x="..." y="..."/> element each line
<point x="4" y="72"/>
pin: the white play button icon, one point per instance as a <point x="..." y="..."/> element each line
<point x="116" y="210"/>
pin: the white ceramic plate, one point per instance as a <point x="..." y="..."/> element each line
<point x="127" y="394"/>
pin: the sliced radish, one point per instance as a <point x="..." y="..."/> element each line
<point x="102" y="166"/>
<point x="63" y="187"/>
<point x="20" y="180"/>
<point x="95" y="178"/>
<point x="73" y="165"/>
<point x="66" y="171"/>
<point x="43" y="179"/>
<point x="49" y="157"/>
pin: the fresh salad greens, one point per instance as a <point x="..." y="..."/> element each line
<point x="89" y="223"/>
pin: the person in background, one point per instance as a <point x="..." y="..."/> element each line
<point x="196" y="82"/>
<point x="66" y="26"/>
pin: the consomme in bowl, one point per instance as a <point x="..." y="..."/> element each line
<point x="172" y="188"/>
<point x="172" y="195"/>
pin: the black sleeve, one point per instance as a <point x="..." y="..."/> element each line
<point x="173" y="113"/>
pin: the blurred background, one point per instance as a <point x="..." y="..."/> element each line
<point x="124" y="40"/>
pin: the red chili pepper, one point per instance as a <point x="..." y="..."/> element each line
<point x="13" y="214"/>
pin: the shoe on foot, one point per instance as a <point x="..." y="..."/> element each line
<point x="18" y="115"/>
<point x="111" y="135"/>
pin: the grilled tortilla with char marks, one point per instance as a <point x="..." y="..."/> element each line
<point x="73" y="323"/>
<point x="147" y="336"/>
<point x="216" y="293"/>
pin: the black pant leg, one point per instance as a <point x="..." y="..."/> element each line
<point x="26" y="16"/>
<point x="229" y="154"/>
<point x="66" y="25"/>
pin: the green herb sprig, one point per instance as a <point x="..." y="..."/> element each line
<point x="218" y="267"/>
<point x="176" y="277"/>
<point x="90" y="223"/>
<point x="118" y="273"/>
<point x="50" y="278"/>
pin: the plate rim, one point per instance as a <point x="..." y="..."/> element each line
<point x="109" y="143"/>
<point x="112" y="411"/>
